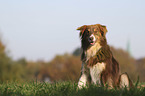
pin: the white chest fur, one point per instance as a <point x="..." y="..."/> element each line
<point x="92" y="51"/>
<point x="95" y="72"/>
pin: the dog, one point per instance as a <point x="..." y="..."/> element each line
<point x="98" y="64"/>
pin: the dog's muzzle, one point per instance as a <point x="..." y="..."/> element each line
<point x="92" y="39"/>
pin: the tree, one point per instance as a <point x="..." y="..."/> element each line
<point x="4" y="63"/>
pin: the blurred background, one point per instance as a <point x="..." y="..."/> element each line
<point x="39" y="40"/>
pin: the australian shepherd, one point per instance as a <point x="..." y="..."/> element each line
<point x="98" y="64"/>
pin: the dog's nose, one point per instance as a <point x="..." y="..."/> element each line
<point x="91" y="38"/>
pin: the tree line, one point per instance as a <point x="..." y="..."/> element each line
<point x="65" y="67"/>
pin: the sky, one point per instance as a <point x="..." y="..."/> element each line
<point x="41" y="29"/>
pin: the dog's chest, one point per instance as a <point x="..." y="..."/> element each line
<point x="92" y="51"/>
<point x="96" y="71"/>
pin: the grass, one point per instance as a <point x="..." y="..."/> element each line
<point x="63" y="89"/>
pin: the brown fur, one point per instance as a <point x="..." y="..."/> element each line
<point x="98" y="53"/>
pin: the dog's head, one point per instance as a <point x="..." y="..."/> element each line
<point x="92" y="34"/>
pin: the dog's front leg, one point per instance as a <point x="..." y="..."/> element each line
<point x="82" y="81"/>
<point x="85" y="77"/>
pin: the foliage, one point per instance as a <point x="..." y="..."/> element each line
<point x="65" y="67"/>
<point x="5" y="64"/>
<point x="63" y="89"/>
<point x="62" y="67"/>
<point x="140" y="64"/>
<point x="11" y="70"/>
<point x="77" y="52"/>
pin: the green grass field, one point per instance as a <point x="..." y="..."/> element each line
<point x="63" y="89"/>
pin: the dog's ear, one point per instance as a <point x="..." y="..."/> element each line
<point x="82" y="29"/>
<point x="103" y="29"/>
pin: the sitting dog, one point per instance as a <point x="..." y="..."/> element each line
<point x="98" y="64"/>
